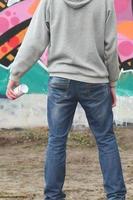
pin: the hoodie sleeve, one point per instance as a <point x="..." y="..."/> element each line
<point x="111" y="55"/>
<point x="34" y="44"/>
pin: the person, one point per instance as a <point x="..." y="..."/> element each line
<point x="83" y="67"/>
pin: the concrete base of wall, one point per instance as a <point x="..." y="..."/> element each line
<point x="31" y="111"/>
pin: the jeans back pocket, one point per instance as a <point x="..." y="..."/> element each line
<point x="58" y="82"/>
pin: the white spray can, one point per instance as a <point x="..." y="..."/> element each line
<point x="21" y="90"/>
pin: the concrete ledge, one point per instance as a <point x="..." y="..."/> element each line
<point x="31" y="111"/>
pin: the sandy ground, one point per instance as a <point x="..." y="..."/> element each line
<point x="22" y="154"/>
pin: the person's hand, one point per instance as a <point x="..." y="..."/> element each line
<point x="9" y="92"/>
<point x="114" y="99"/>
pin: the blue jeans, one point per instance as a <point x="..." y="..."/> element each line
<point x="96" y="100"/>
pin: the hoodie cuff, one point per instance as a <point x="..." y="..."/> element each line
<point x="113" y="84"/>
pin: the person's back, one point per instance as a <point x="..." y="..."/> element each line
<point x="83" y="66"/>
<point x="79" y="31"/>
<point x="82" y="43"/>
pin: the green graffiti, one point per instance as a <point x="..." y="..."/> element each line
<point x="125" y="84"/>
<point x="36" y="79"/>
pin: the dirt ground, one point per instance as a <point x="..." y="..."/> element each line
<point x="22" y="153"/>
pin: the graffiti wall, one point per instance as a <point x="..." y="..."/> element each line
<point x="124" y="12"/>
<point x="15" y="16"/>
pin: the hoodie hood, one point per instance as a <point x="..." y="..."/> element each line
<point x="77" y="3"/>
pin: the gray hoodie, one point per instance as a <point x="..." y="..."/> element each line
<point x="81" y="38"/>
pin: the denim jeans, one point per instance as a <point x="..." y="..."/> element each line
<point x="96" y="100"/>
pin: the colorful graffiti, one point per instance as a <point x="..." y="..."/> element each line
<point x="15" y="16"/>
<point x="124" y="12"/>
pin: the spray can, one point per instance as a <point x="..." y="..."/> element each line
<point x="21" y="90"/>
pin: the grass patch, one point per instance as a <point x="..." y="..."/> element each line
<point x="75" y="138"/>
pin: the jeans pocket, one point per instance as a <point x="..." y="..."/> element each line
<point x="99" y="91"/>
<point x="58" y="82"/>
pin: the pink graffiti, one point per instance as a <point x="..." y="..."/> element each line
<point x="44" y="57"/>
<point x="124" y="13"/>
<point x="121" y="6"/>
<point x="13" y="15"/>
<point x="18" y="13"/>
<point x="4" y="24"/>
<point x="125" y="48"/>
